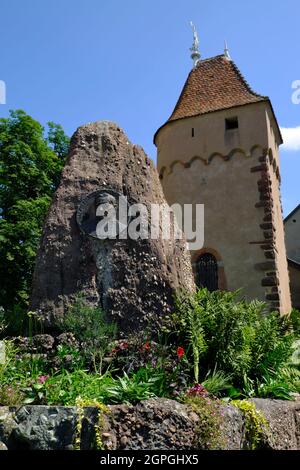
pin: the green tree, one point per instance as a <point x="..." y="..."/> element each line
<point x="30" y="168"/>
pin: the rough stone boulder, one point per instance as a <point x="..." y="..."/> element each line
<point x="133" y="280"/>
<point x="155" y="424"/>
<point x="283" y="432"/>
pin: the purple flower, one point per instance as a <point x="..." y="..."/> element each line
<point x="197" y="390"/>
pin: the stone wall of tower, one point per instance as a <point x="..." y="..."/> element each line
<point x="280" y="295"/>
<point x="235" y="174"/>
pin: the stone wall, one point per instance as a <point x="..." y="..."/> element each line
<point x="157" y="424"/>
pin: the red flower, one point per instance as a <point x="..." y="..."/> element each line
<point x="180" y="352"/>
<point x="145" y="347"/>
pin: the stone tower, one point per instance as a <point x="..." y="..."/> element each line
<point x="220" y="148"/>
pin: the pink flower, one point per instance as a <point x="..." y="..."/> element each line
<point x="42" y="379"/>
<point x="197" y="390"/>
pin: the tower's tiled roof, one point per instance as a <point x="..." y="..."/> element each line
<point x="214" y="84"/>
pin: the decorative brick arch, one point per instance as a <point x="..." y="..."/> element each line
<point x="222" y="284"/>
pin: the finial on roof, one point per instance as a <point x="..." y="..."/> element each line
<point x="195" y="54"/>
<point x="226" y="51"/>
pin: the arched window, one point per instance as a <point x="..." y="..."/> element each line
<point x="207" y="272"/>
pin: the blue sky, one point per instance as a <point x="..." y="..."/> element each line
<point x="76" y="61"/>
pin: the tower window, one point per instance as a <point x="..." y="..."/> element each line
<point x="207" y="272"/>
<point x="193" y="132"/>
<point x="231" y="123"/>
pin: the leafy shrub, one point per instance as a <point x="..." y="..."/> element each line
<point x="68" y="358"/>
<point x="20" y="373"/>
<point x="129" y="389"/>
<point x="290" y="376"/>
<point x="90" y="327"/>
<point x="237" y="337"/>
<point x="217" y="382"/>
<point x="250" y="353"/>
<point x="274" y="387"/>
<point x="295" y="357"/>
<point x="194" y="331"/>
<point x="33" y="383"/>
<point x="138" y="353"/>
<point x="15" y="319"/>
<point x="66" y="387"/>
<point x="295" y="320"/>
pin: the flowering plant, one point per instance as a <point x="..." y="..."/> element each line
<point x="180" y="352"/>
<point x="42" y="379"/>
<point x="197" y="390"/>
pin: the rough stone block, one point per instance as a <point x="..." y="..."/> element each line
<point x="133" y="280"/>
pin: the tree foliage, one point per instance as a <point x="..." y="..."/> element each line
<point x="30" y="168"/>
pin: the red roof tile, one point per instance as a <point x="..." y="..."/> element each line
<point x="214" y="84"/>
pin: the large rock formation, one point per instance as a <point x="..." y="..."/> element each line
<point x="133" y="280"/>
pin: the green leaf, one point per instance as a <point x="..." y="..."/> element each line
<point x="28" y="401"/>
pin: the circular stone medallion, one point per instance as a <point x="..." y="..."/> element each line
<point x="103" y="214"/>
